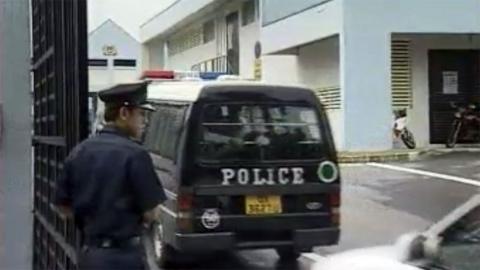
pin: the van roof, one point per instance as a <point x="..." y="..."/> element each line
<point x="189" y="91"/>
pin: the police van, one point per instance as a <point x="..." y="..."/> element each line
<point x="245" y="165"/>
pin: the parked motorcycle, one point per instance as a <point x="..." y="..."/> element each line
<point x="400" y="129"/>
<point x="465" y="126"/>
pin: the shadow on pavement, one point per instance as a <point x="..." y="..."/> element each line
<point x="251" y="260"/>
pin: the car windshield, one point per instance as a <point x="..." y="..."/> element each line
<point x="259" y="132"/>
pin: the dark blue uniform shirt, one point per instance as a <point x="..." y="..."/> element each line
<point x="109" y="181"/>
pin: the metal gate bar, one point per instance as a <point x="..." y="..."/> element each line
<point x="60" y="108"/>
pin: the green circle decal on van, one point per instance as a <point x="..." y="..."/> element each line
<point x="327" y="172"/>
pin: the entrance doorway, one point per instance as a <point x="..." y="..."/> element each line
<point x="454" y="76"/>
<point x="233" y="45"/>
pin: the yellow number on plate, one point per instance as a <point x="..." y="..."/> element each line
<point x="261" y="205"/>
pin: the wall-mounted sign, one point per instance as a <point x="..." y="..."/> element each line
<point x="109" y="50"/>
<point x="450" y="82"/>
<point x="257" y="69"/>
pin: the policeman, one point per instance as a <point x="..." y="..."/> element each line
<point x="109" y="185"/>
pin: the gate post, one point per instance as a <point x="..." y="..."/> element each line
<point x="15" y="139"/>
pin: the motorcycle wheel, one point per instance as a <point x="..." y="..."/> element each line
<point x="453" y="136"/>
<point x="408" y="139"/>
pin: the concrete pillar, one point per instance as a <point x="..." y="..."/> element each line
<point x="165" y="55"/>
<point x="15" y="149"/>
<point x="365" y="84"/>
<point x="144" y="60"/>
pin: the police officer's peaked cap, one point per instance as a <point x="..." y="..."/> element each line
<point x="127" y="94"/>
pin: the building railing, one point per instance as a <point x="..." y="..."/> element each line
<point x="217" y="64"/>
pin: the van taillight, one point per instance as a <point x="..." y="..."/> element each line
<point x="184" y="202"/>
<point x="185" y="223"/>
<point x="335" y="208"/>
<point x="334" y="199"/>
<point x="335" y="216"/>
<point x="184" y="211"/>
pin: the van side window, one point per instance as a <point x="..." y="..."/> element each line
<point x="164" y="130"/>
<point x="152" y="129"/>
<point x="161" y="138"/>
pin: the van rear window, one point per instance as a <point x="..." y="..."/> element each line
<point x="265" y="132"/>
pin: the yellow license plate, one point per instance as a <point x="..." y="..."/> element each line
<point x="263" y="205"/>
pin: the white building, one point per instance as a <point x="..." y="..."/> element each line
<point x="114" y="57"/>
<point x="365" y="58"/>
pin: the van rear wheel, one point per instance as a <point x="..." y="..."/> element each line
<point x="162" y="254"/>
<point x="287" y="253"/>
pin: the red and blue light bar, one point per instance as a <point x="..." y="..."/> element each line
<point x="179" y="75"/>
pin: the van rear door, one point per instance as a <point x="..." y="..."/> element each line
<point x="264" y="164"/>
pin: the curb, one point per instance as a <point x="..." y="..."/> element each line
<point x="401" y="154"/>
<point x="386" y="156"/>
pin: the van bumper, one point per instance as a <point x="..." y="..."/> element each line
<point x="302" y="240"/>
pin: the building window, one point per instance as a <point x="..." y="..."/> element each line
<point x="401" y="74"/>
<point x="125" y="63"/>
<point x="330" y="97"/>
<point x="248" y="12"/>
<point x="185" y="41"/>
<point x="97" y="62"/>
<point x="208" y="31"/>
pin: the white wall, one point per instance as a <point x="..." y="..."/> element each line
<point x="319" y="66"/>
<point x="153" y="55"/>
<point x="408" y="16"/>
<point x="125" y="75"/>
<point x="159" y="58"/>
<point x="185" y="60"/>
<point x="280" y="69"/>
<point x="99" y="79"/>
<point x="16" y="185"/>
<point x="319" y="63"/>
<point x="109" y="33"/>
<point x="365" y="53"/>
<point x="365" y="83"/>
<point x="365" y="29"/>
<point x="414" y="16"/>
<point x="170" y="17"/>
<point x="249" y="35"/>
<point x="311" y="25"/>
<point x="419" y="115"/>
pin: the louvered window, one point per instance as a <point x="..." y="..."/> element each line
<point x="401" y="74"/>
<point x="186" y="41"/>
<point x="330" y="97"/>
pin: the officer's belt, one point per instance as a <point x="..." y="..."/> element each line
<point x="114" y="243"/>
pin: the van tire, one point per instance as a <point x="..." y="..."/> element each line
<point x="166" y="255"/>
<point x="287" y="254"/>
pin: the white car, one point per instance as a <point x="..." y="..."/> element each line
<point x="453" y="243"/>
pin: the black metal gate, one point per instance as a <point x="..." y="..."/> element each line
<point x="453" y="77"/>
<point x="60" y="94"/>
